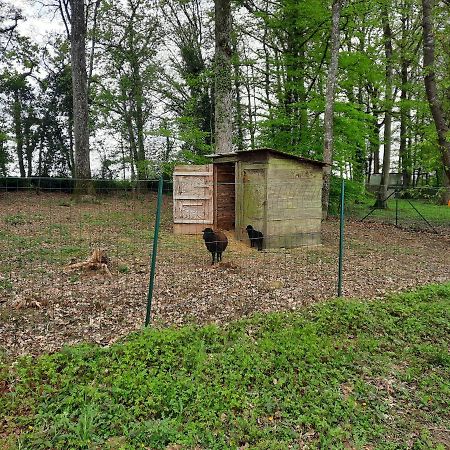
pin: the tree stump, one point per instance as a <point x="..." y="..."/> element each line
<point x="97" y="261"/>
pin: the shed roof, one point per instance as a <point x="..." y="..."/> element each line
<point x="235" y="156"/>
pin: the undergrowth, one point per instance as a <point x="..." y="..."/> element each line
<point x="342" y="374"/>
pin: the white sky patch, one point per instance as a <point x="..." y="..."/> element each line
<point x="38" y="21"/>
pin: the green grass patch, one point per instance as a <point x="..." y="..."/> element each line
<point x="123" y="268"/>
<point x="343" y="374"/>
<point x="58" y="229"/>
<point x="16" y="219"/>
<point x="5" y="285"/>
<point x="407" y="212"/>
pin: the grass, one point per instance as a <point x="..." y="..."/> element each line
<point x="5" y="285"/>
<point x="68" y="230"/>
<point x="15" y="219"/>
<point x="438" y="215"/>
<point x="342" y="374"/>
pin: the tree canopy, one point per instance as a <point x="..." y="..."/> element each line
<point x="152" y="85"/>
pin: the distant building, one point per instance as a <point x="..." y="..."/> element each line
<point x="395" y="182"/>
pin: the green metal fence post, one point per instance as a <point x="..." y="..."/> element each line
<point x="341" y="238"/>
<point x="154" y="252"/>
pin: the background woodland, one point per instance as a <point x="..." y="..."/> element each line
<point x="150" y="90"/>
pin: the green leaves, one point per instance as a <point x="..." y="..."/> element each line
<point x="365" y="373"/>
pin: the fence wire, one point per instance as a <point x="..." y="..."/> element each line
<point x="415" y="209"/>
<point x="48" y="298"/>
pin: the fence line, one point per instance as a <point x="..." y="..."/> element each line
<point x="43" y="233"/>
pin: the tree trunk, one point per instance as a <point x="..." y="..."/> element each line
<point x="279" y="76"/>
<point x="84" y="184"/>
<point x="135" y="113"/>
<point x="376" y="147"/>
<point x="94" y="39"/>
<point x="132" y="166"/>
<point x="267" y="82"/>
<point x="41" y="151"/>
<point x="223" y="83"/>
<point x="441" y="122"/>
<point x="29" y="147"/>
<point x="301" y="110"/>
<point x="360" y="166"/>
<point x="26" y="144"/>
<point x="17" y="115"/>
<point x="3" y="159"/>
<point x="382" y="192"/>
<point x="168" y="149"/>
<point x="71" y="159"/>
<point x="122" y="151"/>
<point x="237" y="87"/>
<point x="139" y="119"/>
<point x="329" y="105"/>
<point x="251" y="126"/>
<point x="405" y="159"/>
<point x="131" y="140"/>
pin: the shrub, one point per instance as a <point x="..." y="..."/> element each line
<point x="355" y="193"/>
<point x="429" y="193"/>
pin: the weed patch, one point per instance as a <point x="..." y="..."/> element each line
<point x="339" y="374"/>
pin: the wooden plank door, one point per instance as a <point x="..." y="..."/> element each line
<point x="254" y="198"/>
<point x="192" y="198"/>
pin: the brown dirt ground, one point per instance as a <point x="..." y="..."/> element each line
<point x="43" y="306"/>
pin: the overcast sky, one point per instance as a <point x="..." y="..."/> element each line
<point x="39" y="20"/>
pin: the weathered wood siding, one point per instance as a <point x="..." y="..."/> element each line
<point x="192" y="198"/>
<point x="251" y="197"/>
<point x="278" y="195"/>
<point x="294" y="211"/>
<point x="224" y="195"/>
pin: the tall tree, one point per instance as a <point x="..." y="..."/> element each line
<point x="55" y="149"/>
<point x="80" y="96"/>
<point x="404" y="151"/>
<point x="5" y="158"/>
<point x="9" y="19"/>
<point x="18" y="128"/>
<point x="128" y="38"/>
<point x="329" y="105"/>
<point x="21" y="64"/>
<point x="223" y="77"/>
<point x="187" y="83"/>
<point x="441" y="117"/>
<point x="387" y="37"/>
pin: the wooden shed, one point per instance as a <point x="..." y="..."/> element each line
<point x="277" y="193"/>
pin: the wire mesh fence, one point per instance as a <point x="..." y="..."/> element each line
<point x="415" y="209"/>
<point x="56" y="288"/>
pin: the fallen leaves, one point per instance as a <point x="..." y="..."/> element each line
<point x="44" y="308"/>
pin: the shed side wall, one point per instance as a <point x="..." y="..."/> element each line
<point x="294" y="210"/>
